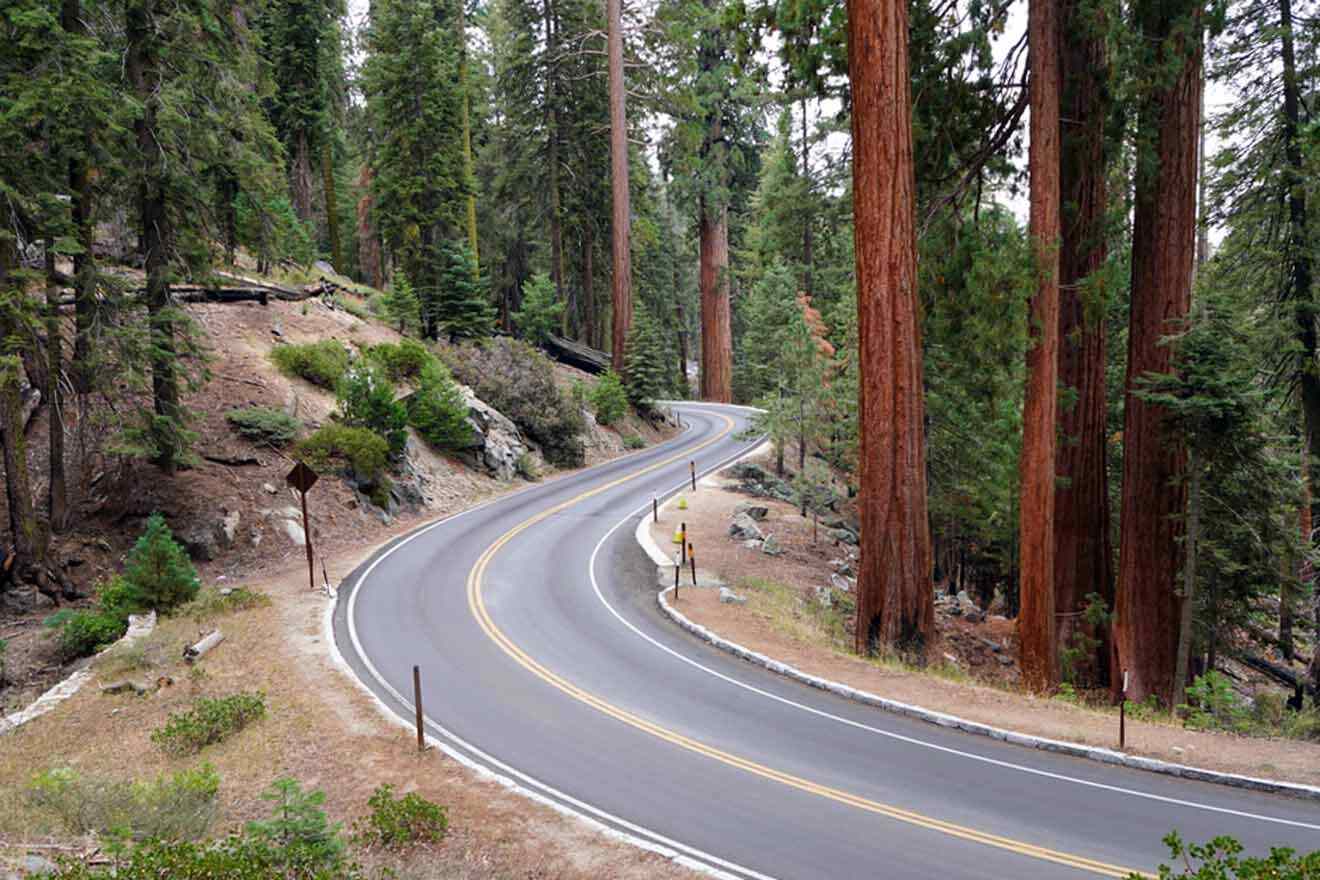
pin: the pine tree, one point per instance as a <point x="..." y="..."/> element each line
<point x="767" y="314"/>
<point x="460" y="307"/>
<point x="647" y="375"/>
<point x="540" y="314"/>
<point x="159" y="567"/>
<point x="401" y="305"/>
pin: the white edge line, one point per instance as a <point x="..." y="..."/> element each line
<point x="1106" y="756"/>
<point x="636" y="835"/>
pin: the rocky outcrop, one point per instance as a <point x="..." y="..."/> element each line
<point x="744" y="528"/>
<point x="497" y="444"/>
<point x="208" y="537"/>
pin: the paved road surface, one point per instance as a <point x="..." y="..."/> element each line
<point x="544" y="657"/>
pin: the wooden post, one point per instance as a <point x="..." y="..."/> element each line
<point x="417" y="702"/>
<point x="692" y="558"/>
<point x="307" y="534"/>
<point x="692" y="468"/>
<point x="682" y="545"/>
<point x="678" y="568"/>
<point x="1122" y="714"/>
<point x="655" y="511"/>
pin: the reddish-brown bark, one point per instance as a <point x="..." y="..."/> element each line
<point x="1036" y="521"/>
<point x="716" y="321"/>
<point x="368" y="242"/>
<point x="1154" y="459"/>
<point x="895" y="600"/>
<point x="1083" y="552"/>
<point x="621" y="218"/>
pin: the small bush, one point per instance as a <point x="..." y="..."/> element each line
<point x="1222" y="859"/>
<point x="210" y="720"/>
<point x="176" y="807"/>
<point x="438" y="411"/>
<point x="83" y="633"/>
<point x="366" y="400"/>
<point x="403" y="360"/>
<point x="634" y="441"/>
<point x="365" y="453"/>
<point x="159" y="568"/>
<point x="541" y="312"/>
<point x="399" y="821"/>
<point x="518" y="381"/>
<point x="608" y="398"/>
<point x="119" y="598"/>
<point x="264" y="424"/>
<point x="352" y="306"/>
<point x="1212" y="703"/>
<point x="525" y="467"/>
<point x="321" y="363"/>
<point x="211" y="602"/>
<point x="297" y="836"/>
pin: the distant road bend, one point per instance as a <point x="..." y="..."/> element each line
<point x="545" y="659"/>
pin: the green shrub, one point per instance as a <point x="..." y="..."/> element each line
<point x="634" y="441"/>
<point x="210" y="720"/>
<point x="608" y="398"/>
<point x="297" y="835"/>
<point x="400" y="304"/>
<point x="366" y="400"/>
<point x="541" y="312"/>
<point x="119" y="598"/>
<point x="321" y="363"/>
<point x="159" y="568"/>
<point x="352" y="306"/>
<point x="1222" y="859"/>
<point x="399" y="821"/>
<point x="525" y="467"/>
<point x="365" y="453"/>
<point x="518" y="381"/>
<point x="403" y="360"/>
<point x="438" y="411"/>
<point x="83" y="633"/>
<point x="1212" y="703"/>
<point x="176" y="807"/>
<point x="212" y="602"/>
<point x="264" y="424"/>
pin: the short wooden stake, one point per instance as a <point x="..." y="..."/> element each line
<point x="682" y="545"/>
<point x="1122" y="714"/>
<point x="655" y="511"/>
<point x="417" y="702"/>
<point x="677" y="568"/>
<point x="692" y="558"/>
<point x="692" y="468"/>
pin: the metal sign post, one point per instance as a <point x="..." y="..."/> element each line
<point x="304" y="478"/>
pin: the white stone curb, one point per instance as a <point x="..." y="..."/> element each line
<point x="139" y="626"/>
<point x="1076" y="750"/>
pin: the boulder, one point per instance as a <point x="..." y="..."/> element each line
<point x="729" y="597"/>
<point x="843" y="536"/>
<point x="288" y="520"/>
<point x="757" y="512"/>
<point x="753" y="544"/>
<point x="744" y="528"/>
<point x="771" y="546"/>
<point x="825" y="597"/>
<point x="843" y="567"/>
<point x="496" y="445"/>
<point x="324" y="267"/>
<point x="839" y="582"/>
<point x="206" y="538"/>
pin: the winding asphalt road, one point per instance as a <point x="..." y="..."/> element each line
<point x="545" y="659"/>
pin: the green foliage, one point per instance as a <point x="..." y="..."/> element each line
<point x="609" y="399"/>
<point x="1082" y="644"/>
<point x="402" y="360"/>
<point x="366" y="400"/>
<point x="525" y="467"/>
<point x="159" y="567"/>
<point x="321" y="363"/>
<point x="460" y="307"/>
<point x="634" y="441"/>
<point x="396" y="822"/>
<point x="518" y="381"/>
<point x="438" y="409"/>
<point x="365" y="452"/>
<point x="271" y="230"/>
<point x="265" y="424"/>
<point x="85" y="632"/>
<point x="1212" y="703"/>
<point x="212" y="602"/>
<point x="297" y="835"/>
<point x="119" y="597"/>
<point x="1222" y="859"/>
<point x="647" y="361"/>
<point x="400" y="304"/>
<point x="210" y="720"/>
<point x="541" y="313"/>
<point x="175" y="807"/>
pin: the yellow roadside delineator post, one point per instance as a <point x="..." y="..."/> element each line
<point x="682" y="502"/>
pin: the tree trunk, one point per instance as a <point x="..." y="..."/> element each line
<point x="1179" y="687"/>
<point x="808" y="249"/>
<point x="552" y="159"/>
<point x="590" y="323"/>
<point x="56" y="494"/>
<point x="331" y="207"/>
<point x="301" y="174"/>
<point x="621" y="218"/>
<point x="368" y="241"/>
<point x="1083" y="555"/>
<point x="682" y="340"/>
<point x="227" y="193"/>
<point x="80" y="209"/>
<point x="1036" y="620"/>
<point x="716" y="321"/>
<point x="895" y="602"/>
<point x="144" y="75"/>
<point x="469" y="165"/>
<point x="28" y="541"/>
<point x="1148" y="607"/>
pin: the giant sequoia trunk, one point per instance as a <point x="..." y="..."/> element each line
<point x="716" y="320"/>
<point x="621" y="218"/>
<point x="895" y="600"/>
<point x="1083" y="556"/>
<point x="1036" y="511"/>
<point x="368" y="239"/>
<point x="1163" y="246"/>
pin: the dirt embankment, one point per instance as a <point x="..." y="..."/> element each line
<point x="972" y="671"/>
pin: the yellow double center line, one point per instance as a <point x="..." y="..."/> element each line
<point x="478" y="607"/>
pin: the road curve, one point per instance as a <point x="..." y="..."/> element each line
<point x="545" y="659"/>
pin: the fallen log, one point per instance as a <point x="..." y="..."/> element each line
<point x="233" y="460"/>
<point x="1283" y="676"/>
<point x="193" y="653"/>
<point x="121" y="687"/>
<point x="575" y="354"/>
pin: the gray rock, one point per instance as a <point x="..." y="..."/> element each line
<point x="840" y="582"/>
<point x="36" y="866"/>
<point x="744" y="528"/>
<point x="269" y="488"/>
<point x="207" y="538"/>
<point x="843" y="567"/>
<point x="323" y="266"/>
<point x="753" y="544"/>
<point x="1004" y="659"/>
<point x="757" y="512"/>
<point x="771" y="546"/>
<point x="277" y="329"/>
<point x="729" y="597"/>
<point x="229" y="527"/>
<point x="497" y="445"/>
<point x="825" y="597"/>
<point x="288" y="520"/>
<point x="843" y="536"/>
